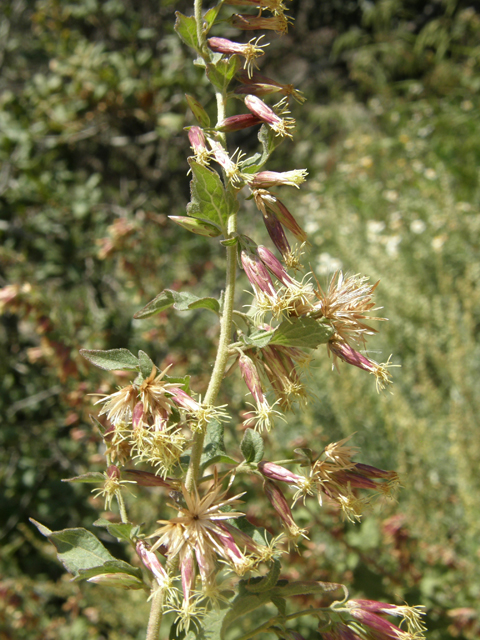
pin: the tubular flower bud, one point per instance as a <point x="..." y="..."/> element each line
<point x="275" y="6"/>
<point x="258" y="85"/>
<point x="283" y="376"/>
<point x="267" y="202"/>
<point x="147" y="479"/>
<point x="236" y="123"/>
<point x="230" y="166"/>
<point x="278" y="23"/>
<point x="340" y="632"/>
<point x="267" y="179"/>
<point x="257" y="273"/>
<point x="199" y="145"/>
<point x="275" y="266"/>
<point x="111" y="487"/>
<point x="279" y="503"/>
<point x="278" y="237"/>
<point x="368" y="613"/>
<point x="274" y="471"/>
<point x="281" y="126"/>
<point x="410" y="615"/>
<point x="183" y="400"/>
<point x="252" y="379"/>
<point x="250" y="51"/>
<point x="187" y="573"/>
<point x="341" y="349"/>
<point x="152" y="563"/>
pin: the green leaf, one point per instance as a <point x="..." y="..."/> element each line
<point x="117" y="580"/>
<point x="252" y="446"/>
<point x="266" y="582"/>
<point x="146" y="365"/>
<point x="302" y="588"/>
<point x="120" y="530"/>
<point x="111" y="360"/>
<point x="214" y="444"/>
<point x="186" y="29"/>
<point x="82" y="553"/>
<point x="90" y="477"/>
<point x="209" y="200"/>
<point x="243" y="605"/>
<point x="302" y="333"/>
<point x="229" y="242"/>
<point x="198" y="226"/>
<point x="258" y="338"/>
<point x="198" y="111"/>
<point x="181" y="301"/>
<point x="269" y="142"/>
<point x="281" y="605"/>
<point x="211" y="16"/>
<point x="221" y="73"/>
<point x="221" y="457"/>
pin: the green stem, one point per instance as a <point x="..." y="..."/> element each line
<point x="222" y="353"/>
<point x="281" y="619"/>
<point x="156" y="612"/>
<point x="226" y="322"/>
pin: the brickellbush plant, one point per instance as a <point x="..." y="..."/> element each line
<point x="212" y="568"/>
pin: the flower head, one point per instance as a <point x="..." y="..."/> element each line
<point x="260" y="86"/>
<point x="342" y="350"/>
<point x="250" y="51"/>
<point x="280" y="125"/>
<point x="199" y="530"/>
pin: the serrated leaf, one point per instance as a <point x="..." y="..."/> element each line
<point x="300" y="588"/>
<point x="146" y="365"/>
<point x="252" y="446"/>
<point x="229" y="242"/>
<point x="181" y="301"/>
<point x="266" y="582"/>
<point x="214" y="444"/>
<point x="90" y="477"/>
<point x="281" y="605"/>
<point x="111" y="360"/>
<point x="302" y="333"/>
<point x="198" y="111"/>
<point x="221" y="73"/>
<point x="120" y="530"/>
<point x="82" y="554"/>
<point x="186" y="29"/>
<point x="209" y="200"/>
<point x="269" y="142"/>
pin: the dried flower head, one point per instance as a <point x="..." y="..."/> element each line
<point x="250" y="51"/>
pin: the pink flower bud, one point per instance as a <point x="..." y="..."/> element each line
<point x="279" y="503"/>
<point x="378" y="627"/>
<point x="187" y="571"/>
<point x="137" y="415"/>
<point x="197" y="140"/>
<point x="249" y="22"/>
<point x="113" y="472"/>
<point x="150" y="560"/>
<point x="242" y="539"/>
<point x="274" y="265"/>
<point x="345" y="352"/>
<point x="252" y="379"/>
<point x="183" y="400"/>
<point x="236" y="123"/>
<point x="257" y="273"/>
<point x="277" y="234"/>
<point x="259" y="86"/>
<point x="267" y="179"/>
<point x="286" y="219"/>
<point x="147" y="479"/>
<point x="276" y="472"/>
<point x="261" y="110"/>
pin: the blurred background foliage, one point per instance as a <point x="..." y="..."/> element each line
<point x="93" y="159"/>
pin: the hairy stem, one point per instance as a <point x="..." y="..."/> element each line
<point x="226" y="322"/>
<point x="222" y="353"/>
<point x="156" y="613"/>
<point x="121" y="506"/>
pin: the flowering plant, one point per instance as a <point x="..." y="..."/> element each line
<point x="207" y="564"/>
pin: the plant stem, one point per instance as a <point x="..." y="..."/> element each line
<point x="156" y="613"/>
<point x="222" y="353"/>
<point x="121" y="506"/>
<point x="226" y="322"/>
